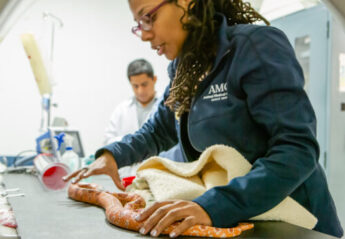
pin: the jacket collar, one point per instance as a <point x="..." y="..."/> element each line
<point x="131" y="101"/>
<point x="223" y="39"/>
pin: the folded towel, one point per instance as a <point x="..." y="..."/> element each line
<point x="217" y="166"/>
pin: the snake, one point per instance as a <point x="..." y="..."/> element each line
<point x="122" y="208"/>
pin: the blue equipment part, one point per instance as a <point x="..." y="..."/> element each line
<point x="40" y="139"/>
<point x="59" y="139"/>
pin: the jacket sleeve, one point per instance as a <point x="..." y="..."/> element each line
<point x="271" y="81"/>
<point x="156" y="135"/>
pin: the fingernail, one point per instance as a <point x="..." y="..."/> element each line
<point x="73" y="180"/>
<point x="153" y="233"/>
<point x="142" y="230"/>
<point x="64" y="177"/>
<point x="137" y="218"/>
<point x="172" y="235"/>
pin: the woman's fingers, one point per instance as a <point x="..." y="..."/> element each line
<point x="72" y="175"/>
<point x="162" y="214"/>
<point x="175" y="214"/>
<point x="150" y="210"/>
<point x="153" y="215"/>
<point x="183" y="226"/>
<point x="105" y="164"/>
<point x="80" y="175"/>
<point x="116" y="179"/>
<point x="110" y="168"/>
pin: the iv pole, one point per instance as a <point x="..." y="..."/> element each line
<point x="54" y="20"/>
<point x="47" y="99"/>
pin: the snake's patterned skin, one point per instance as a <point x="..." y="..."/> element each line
<point x="122" y="208"/>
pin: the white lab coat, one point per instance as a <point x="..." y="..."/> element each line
<point x="123" y="121"/>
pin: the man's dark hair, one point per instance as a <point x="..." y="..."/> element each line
<point x="139" y="66"/>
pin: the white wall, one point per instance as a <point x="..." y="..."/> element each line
<point x="337" y="119"/>
<point x="92" y="51"/>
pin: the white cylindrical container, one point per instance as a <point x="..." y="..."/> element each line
<point x="50" y="173"/>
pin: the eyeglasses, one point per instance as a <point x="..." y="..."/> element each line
<point x="145" y="22"/>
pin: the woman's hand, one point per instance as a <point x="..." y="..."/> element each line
<point x="105" y="164"/>
<point x="162" y="214"/>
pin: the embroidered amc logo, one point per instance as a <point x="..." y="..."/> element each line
<point x="217" y="92"/>
<point x="218" y="88"/>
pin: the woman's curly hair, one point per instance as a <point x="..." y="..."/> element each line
<point x="199" y="50"/>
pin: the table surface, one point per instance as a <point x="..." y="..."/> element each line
<point x="50" y="214"/>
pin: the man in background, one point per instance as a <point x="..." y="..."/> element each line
<point x="131" y="114"/>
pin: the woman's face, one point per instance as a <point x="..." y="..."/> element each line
<point x="166" y="36"/>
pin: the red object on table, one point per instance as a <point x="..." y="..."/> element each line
<point x="7" y="218"/>
<point x="127" y="181"/>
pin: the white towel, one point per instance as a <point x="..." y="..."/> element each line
<point x="217" y="166"/>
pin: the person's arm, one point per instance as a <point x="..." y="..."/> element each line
<point x="105" y="164"/>
<point x="272" y="81"/>
<point x="156" y="135"/>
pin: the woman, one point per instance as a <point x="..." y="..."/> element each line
<point x="232" y="83"/>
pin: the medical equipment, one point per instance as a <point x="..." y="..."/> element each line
<point x="42" y="70"/>
<point x="50" y="172"/>
<point x="50" y="146"/>
<point x="69" y="157"/>
<point x="41" y="76"/>
<point x="76" y="143"/>
<point x="34" y="55"/>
